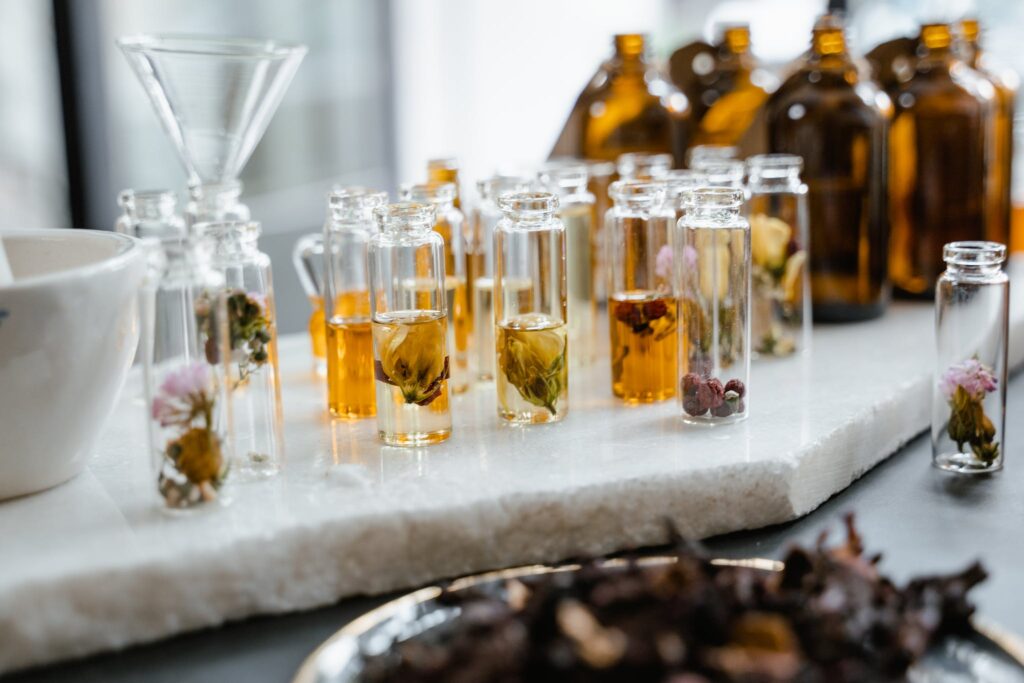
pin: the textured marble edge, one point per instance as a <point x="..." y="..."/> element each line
<point x="317" y="564"/>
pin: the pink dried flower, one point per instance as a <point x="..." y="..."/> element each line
<point x="689" y="257"/>
<point x="663" y="262"/>
<point x="976" y="378"/>
<point x="188" y="381"/>
<point x="164" y="411"/>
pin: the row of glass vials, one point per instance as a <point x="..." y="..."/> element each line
<point x="516" y="294"/>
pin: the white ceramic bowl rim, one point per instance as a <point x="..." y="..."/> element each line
<point x="127" y="251"/>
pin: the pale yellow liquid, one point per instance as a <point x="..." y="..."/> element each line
<point x="408" y="424"/>
<point x="643" y="365"/>
<point x="518" y="293"/>
<point x="511" y="404"/>
<point x="582" y="303"/>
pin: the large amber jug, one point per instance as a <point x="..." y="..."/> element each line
<point x="628" y="106"/>
<point x="941" y="150"/>
<point x="836" y="118"/>
<point x="1005" y="82"/>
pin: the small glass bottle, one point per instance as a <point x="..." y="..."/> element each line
<point x="215" y="202"/>
<point x="253" y="377"/>
<point x="347" y="232"/>
<point x="971" y="330"/>
<point x="577" y="213"/>
<point x="184" y="344"/>
<point x="713" y="275"/>
<point x="532" y="340"/>
<point x="698" y="155"/>
<point x="308" y="259"/>
<point x="780" y="304"/>
<point x="486" y="215"/>
<point x="641" y="307"/>
<point x="678" y="185"/>
<point x="628" y="106"/>
<point x="149" y="213"/>
<point x="448" y="222"/>
<point x="642" y="166"/>
<point x="940" y="171"/>
<point x="446" y="170"/>
<point x="409" y="307"/>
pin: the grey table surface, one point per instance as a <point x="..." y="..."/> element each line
<point x="922" y="520"/>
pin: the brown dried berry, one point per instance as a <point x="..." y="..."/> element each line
<point x="723" y="410"/>
<point x="692" y="406"/>
<point x="737" y="387"/>
<point x="717" y="392"/>
<point x="655" y="309"/>
<point x="691" y="381"/>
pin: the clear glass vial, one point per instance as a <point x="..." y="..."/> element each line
<point x="723" y="173"/>
<point x="184" y="347"/>
<point x="713" y="276"/>
<point x="779" y="233"/>
<point x="215" y="202"/>
<point x="308" y="259"/>
<point x="149" y="213"/>
<point x="576" y="210"/>
<point x="448" y="222"/>
<point x="409" y="309"/>
<point x="254" y="383"/>
<point x="350" y="225"/>
<point x="643" y="166"/>
<point x="971" y="331"/>
<point x="531" y="332"/>
<point x="642" y="312"/>
<point x="485" y="217"/>
<point x="678" y="185"/>
<point x="699" y="155"/>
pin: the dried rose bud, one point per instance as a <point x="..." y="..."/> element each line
<point x="723" y="410"/>
<point x="692" y="406"/>
<point x="691" y="381"/>
<point x="655" y="309"/>
<point x="717" y="392"/>
<point x="736" y="386"/>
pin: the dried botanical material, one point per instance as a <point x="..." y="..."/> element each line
<point x="249" y="329"/>
<point x="965" y="386"/>
<point x="828" y="616"/>
<point x="777" y="273"/>
<point x="411" y="357"/>
<point x="531" y="356"/>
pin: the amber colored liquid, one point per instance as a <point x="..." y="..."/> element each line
<point x="734" y="101"/>
<point x="621" y="113"/>
<point x="512" y="406"/>
<point x="350" y="389"/>
<point x="316" y="329"/>
<point x="821" y="114"/>
<point x="1017" y="228"/>
<point x="643" y="362"/>
<point x="937" y="173"/>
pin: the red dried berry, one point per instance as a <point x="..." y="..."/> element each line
<point x="724" y="410"/>
<point x="691" y="381"/>
<point x="736" y="386"/>
<point x="655" y="309"/>
<point x="717" y="392"/>
<point x="692" y="406"/>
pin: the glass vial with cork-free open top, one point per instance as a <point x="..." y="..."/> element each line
<point x="254" y="381"/>
<point x="350" y="225"/>
<point x="642" y="311"/>
<point x="780" y="299"/>
<point x="149" y="213"/>
<point x="409" y="322"/>
<point x="713" y="280"/>
<point x="531" y="333"/>
<point x="971" y="334"/>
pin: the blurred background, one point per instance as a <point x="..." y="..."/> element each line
<point x="385" y="86"/>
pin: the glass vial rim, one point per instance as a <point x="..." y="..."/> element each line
<point x="715" y="199"/>
<point x="153" y="203"/>
<point x="498" y="184"/>
<point x="405" y="216"/>
<point x="655" y="163"/>
<point x="244" y="231"/>
<point x="977" y="253"/>
<point x="564" y="178"/>
<point x="529" y="206"/>
<point x="729" y="172"/>
<point x="637" y="193"/>
<point x="703" y="153"/>
<point x="355" y="201"/>
<point x="437" y="193"/>
<point x="228" y="189"/>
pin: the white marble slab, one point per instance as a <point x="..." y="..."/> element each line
<point x="95" y="565"/>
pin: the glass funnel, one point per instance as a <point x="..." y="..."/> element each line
<point x="214" y="96"/>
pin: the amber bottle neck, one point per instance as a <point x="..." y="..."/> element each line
<point x="630" y="46"/>
<point x="828" y="41"/>
<point x="970" y="34"/>
<point x="736" y="40"/>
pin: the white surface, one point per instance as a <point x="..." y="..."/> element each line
<point x="68" y="333"/>
<point x="94" y="564"/>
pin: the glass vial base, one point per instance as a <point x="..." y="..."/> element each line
<point x="965" y="463"/>
<point x="414" y="438"/>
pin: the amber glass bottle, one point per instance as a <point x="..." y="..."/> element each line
<point x="731" y="101"/>
<point x="1006" y="83"/>
<point x="828" y="113"/>
<point x="628" y="106"/>
<point x="939" y="145"/>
